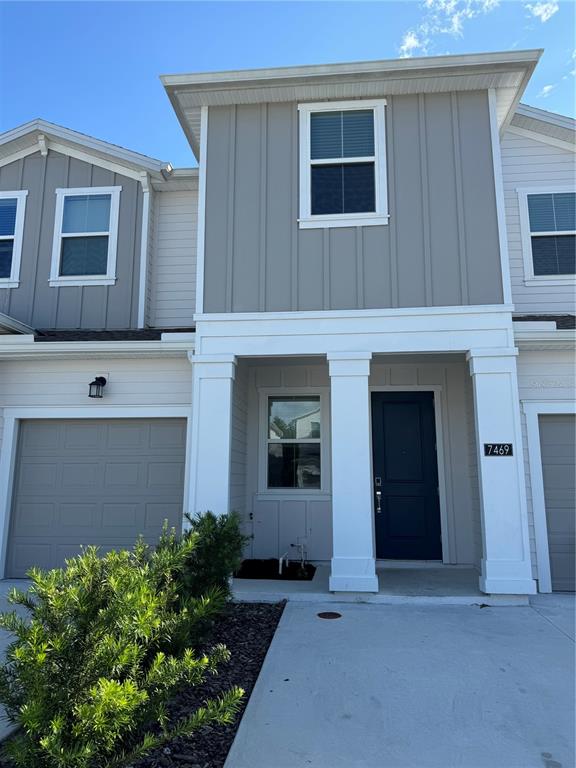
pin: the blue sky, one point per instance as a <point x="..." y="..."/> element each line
<point x="94" y="66"/>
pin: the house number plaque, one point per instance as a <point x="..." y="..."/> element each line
<point x="498" y="449"/>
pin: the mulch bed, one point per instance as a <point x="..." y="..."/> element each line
<point x="246" y="629"/>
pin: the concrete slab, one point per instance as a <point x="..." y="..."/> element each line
<point x="558" y="609"/>
<point x="434" y="585"/>
<point x="412" y="687"/>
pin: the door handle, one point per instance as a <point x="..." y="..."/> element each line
<point x="378" y="502"/>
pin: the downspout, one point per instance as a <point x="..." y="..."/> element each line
<point x="146" y="202"/>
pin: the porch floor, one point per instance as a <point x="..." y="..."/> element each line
<point x="450" y="585"/>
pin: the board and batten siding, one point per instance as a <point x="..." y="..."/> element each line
<point x="173" y="272"/>
<point x="440" y="247"/>
<point x="35" y="302"/>
<point x="545" y="376"/>
<point x="527" y="162"/>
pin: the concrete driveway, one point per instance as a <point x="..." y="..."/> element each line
<point x="415" y="687"/>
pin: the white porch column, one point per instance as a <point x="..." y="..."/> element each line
<point x="353" y="561"/>
<point x="506" y="567"/>
<point x="210" y="438"/>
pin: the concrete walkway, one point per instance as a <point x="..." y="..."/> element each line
<point x="388" y="686"/>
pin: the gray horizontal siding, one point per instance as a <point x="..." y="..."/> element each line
<point x="439" y="249"/>
<point x="36" y="303"/>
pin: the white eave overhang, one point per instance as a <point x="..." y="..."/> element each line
<point x="507" y="73"/>
<point x="543" y="335"/>
<point x="40" y="135"/>
<point x="171" y="345"/>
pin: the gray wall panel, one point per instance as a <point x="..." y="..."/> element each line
<point x="36" y="303"/>
<point x="440" y="247"/>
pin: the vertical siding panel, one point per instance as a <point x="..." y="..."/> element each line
<point x="461" y="221"/>
<point x="482" y="249"/>
<point x="120" y="297"/>
<point x="343" y="261"/>
<point x="231" y="194"/>
<point x="378" y="285"/>
<point x="425" y="193"/>
<point x="295" y="211"/>
<point x="217" y="209"/>
<point x="359" y="250"/>
<point x="310" y="269"/>
<point x="262" y="212"/>
<point x="442" y="204"/>
<point x="280" y="243"/>
<point x="408" y="204"/>
<point x="392" y="221"/>
<point x="247" y="211"/>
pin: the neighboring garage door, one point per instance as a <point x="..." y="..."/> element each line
<point x="95" y="481"/>
<point x="557" y="445"/>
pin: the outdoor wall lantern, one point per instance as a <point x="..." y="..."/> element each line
<point x="96" y="387"/>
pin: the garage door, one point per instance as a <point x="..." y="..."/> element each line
<point x="98" y="481"/>
<point x="557" y="444"/>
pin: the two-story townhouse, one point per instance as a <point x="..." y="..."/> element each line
<point x="350" y="252"/>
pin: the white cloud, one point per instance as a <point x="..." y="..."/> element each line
<point x="543" y="11"/>
<point x="547" y="90"/>
<point x="442" y="17"/>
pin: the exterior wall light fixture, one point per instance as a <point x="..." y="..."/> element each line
<point x="96" y="387"/>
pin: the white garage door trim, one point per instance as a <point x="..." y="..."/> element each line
<point x="534" y="409"/>
<point x="12" y="419"/>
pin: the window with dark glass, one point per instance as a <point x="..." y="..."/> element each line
<point x="85" y="234"/>
<point x="553" y="232"/>
<point x="8" y="208"/>
<point x="293" y="442"/>
<point x="342" y="162"/>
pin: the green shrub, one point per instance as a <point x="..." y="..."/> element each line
<point x="88" y="676"/>
<point x="216" y="555"/>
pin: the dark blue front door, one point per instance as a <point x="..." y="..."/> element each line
<point x="405" y="476"/>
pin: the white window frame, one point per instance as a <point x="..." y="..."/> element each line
<point x="380" y="216"/>
<point x="526" y="236"/>
<point x="322" y="393"/>
<point x="58" y="280"/>
<point x="14" y="280"/>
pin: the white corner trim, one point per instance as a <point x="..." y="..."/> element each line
<point x="446" y="529"/>
<point x="14" y="280"/>
<point x="200" y="241"/>
<point x="57" y="280"/>
<point x="380" y="216"/>
<point x="532" y="410"/>
<point x="12" y="419"/>
<point x="500" y="205"/>
<point x="144" y="232"/>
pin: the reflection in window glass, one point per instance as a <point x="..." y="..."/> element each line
<point x="294" y="431"/>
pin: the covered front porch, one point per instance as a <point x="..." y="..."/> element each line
<point x="365" y="462"/>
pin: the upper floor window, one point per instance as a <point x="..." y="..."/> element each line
<point x="85" y="236"/>
<point x="548" y="221"/>
<point x="343" y="164"/>
<point x="12" y="206"/>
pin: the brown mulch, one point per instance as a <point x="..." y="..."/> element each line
<point x="246" y="629"/>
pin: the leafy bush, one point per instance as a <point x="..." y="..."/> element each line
<point x="88" y="676"/>
<point x="215" y="557"/>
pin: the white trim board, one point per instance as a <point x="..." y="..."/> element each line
<point x="533" y="410"/>
<point x="380" y="215"/>
<point x="56" y="279"/>
<point x="12" y="419"/>
<point x="448" y="553"/>
<point x="526" y="235"/>
<point x="14" y="280"/>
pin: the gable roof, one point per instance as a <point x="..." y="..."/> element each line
<point x="40" y="135"/>
<point x="546" y="124"/>
<point x="505" y="72"/>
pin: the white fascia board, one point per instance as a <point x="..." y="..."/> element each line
<point x="14" y="325"/>
<point x="393" y="66"/>
<point x="562" y="121"/>
<point x="134" y="159"/>
<point x="55" y="349"/>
